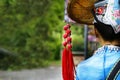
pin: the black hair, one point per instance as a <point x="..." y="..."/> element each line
<point x="107" y="32"/>
<point x="99" y="1"/>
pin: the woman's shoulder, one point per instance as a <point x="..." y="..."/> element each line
<point x="93" y="66"/>
<point x="102" y="59"/>
<point x="90" y="67"/>
<point x="109" y="56"/>
<point x="94" y="62"/>
<point x="88" y="62"/>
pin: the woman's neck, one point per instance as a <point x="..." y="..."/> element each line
<point x="103" y="42"/>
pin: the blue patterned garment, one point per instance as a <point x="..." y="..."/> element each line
<point x="99" y="65"/>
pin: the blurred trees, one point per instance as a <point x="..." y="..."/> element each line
<point x="32" y="30"/>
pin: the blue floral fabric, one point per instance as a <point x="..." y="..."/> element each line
<point x="99" y="65"/>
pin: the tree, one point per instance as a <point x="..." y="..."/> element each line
<point x="32" y="30"/>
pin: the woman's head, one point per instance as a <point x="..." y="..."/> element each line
<point x="107" y="19"/>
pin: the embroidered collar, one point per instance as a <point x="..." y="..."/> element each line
<point x="109" y="48"/>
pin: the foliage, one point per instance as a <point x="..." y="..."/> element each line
<point x="31" y="30"/>
<point x="78" y="38"/>
<point x="26" y="30"/>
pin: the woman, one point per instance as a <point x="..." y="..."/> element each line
<point x="107" y="28"/>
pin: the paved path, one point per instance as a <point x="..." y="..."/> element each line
<point x="51" y="73"/>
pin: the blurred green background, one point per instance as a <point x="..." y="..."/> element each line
<point x="31" y="33"/>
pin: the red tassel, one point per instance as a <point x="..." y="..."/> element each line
<point x="68" y="68"/>
<point x="71" y="66"/>
<point x="64" y="64"/>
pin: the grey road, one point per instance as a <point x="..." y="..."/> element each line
<point x="50" y="73"/>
